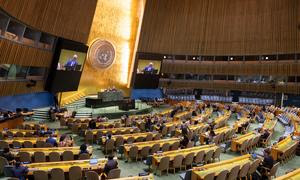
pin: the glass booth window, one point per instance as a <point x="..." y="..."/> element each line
<point x="4" y="68"/>
<point x="17" y="72"/>
<point x="36" y="71"/>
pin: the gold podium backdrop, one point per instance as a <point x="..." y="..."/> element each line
<point x="119" y="22"/>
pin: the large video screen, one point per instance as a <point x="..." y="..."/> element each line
<point x="148" y="67"/>
<point x="71" y="60"/>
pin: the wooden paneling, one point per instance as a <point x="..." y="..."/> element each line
<point x="15" y="53"/>
<point x="19" y="87"/>
<point x="220" y="27"/>
<point x="292" y="88"/>
<point x="70" y="19"/>
<point x="267" y="68"/>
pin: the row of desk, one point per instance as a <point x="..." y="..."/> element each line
<point x="279" y="149"/>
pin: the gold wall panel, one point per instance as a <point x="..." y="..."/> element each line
<point x="116" y="21"/>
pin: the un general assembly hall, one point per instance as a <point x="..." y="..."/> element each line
<point x="150" y="89"/>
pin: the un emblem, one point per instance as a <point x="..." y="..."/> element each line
<point x="101" y="54"/>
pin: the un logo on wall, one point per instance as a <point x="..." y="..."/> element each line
<point x="101" y="54"/>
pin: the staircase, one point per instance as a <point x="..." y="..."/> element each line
<point x="41" y="114"/>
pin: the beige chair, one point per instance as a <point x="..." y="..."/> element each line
<point x="272" y="172"/>
<point x="175" y="146"/>
<point x="133" y="153"/>
<point x="233" y="175"/>
<point x="114" y="174"/>
<point x="117" y="125"/>
<point x="40" y="175"/>
<point x="119" y="141"/>
<point x="253" y="167"/>
<point x="40" y="144"/>
<point x="155" y="148"/>
<point x="48" y="145"/>
<point x="67" y="156"/>
<point x="209" y="176"/>
<point x="84" y="156"/>
<point x="244" y="171"/>
<point x="144" y="152"/>
<point x="9" y="134"/>
<point x="109" y="146"/>
<point x="63" y="122"/>
<point x="19" y="134"/>
<point x="164" y="131"/>
<point x="190" y="144"/>
<point x="208" y="156"/>
<point x="91" y="175"/>
<point x="188" y="160"/>
<point x="165" y="147"/>
<point x="28" y="144"/>
<point x="24" y="156"/>
<point x="39" y="157"/>
<point x="130" y="140"/>
<point x="3" y="145"/>
<point x="217" y="154"/>
<point x="176" y="163"/>
<point x="199" y="157"/>
<point x="157" y="136"/>
<point x="243" y="147"/>
<point x="139" y="139"/>
<point x="3" y="162"/>
<point x="16" y="144"/>
<point x="28" y="127"/>
<point x="222" y="175"/>
<point x="57" y="174"/>
<point x="89" y="137"/>
<point x="163" y="165"/>
<point x="149" y="137"/>
<point x="54" y="157"/>
<point x="75" y="173"/>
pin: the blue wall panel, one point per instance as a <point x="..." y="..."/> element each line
<point x="33" y="100"/>
<point x="146" y="93"/>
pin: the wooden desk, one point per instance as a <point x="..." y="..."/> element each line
<point x="22" y="139"/>
<point x="112" y="130"/>
<point x="12" y="122"/>
<point x="47" y="151"/>
<point x="27" y="113"/>
<point x="165" y="112"/>
<point x="105" y="125"/>
<point x="205" y="115"/>
<point x="150" y="177"/>
<point x="126" y="136"/>
<point x="193" y="127"/>
<point x="223" y="117"/>
<point x="184" y="152"/>
<point x="239" y="123"/>
<point x="239" y="140"/>
<point x="280" y="148"/>
<point x="218" y="131"/>
<point x="294" y="175"/>
<point x="269" y="124"/>
<point x="65" y="165"/>
<point x="200" y="172"/>
<point x="43" y="126"/>
<point x="297" y="129"/>
<point x="169" y="124"/>
<point x="24" y="131"/>
<point x="183" y="115"/>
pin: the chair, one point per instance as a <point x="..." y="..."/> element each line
<point x="217" y="154"/>
<point x="109" y="146"/>
<point x="149" y="137"/>
<point x="28" y="127"/>
<point x="28" y="144"/>
<point x="188" y="160"/>
<point x="91" y="175"/>
<point x="165" y="147"/>
<point x="67" y="156"/>
<point x="54" y="156"/>
<point x="48" y="145"/>
<point x="40" y="144"/>
<point x="154" y="148"/>
<point x="177" y="163"/>
<point x="144" y="152"/>
<point x="164" y="165"/>
<point x="216" y="139"/>
<point x="244" y="170"/>
<point x="39" y="157"/>
<point x="190" y="144"/>
<point x="3" y="145"/>
<point x="199" y="157"/>
<point x="119" y="141"/>
<point x="175" y="146"/>
<point x="133" y="153"/>
<point x="9" y="134"/>
<point x="139" y="139"/>
<point x="114" y="174"/>
<point x="19" y="134"/>
<point x="24" y="156"/>
<point x="222" y="175"/>
<point x="164" y="131"/>
<point x="233" y="173"/>
<point x="209" y="176"/>
<point x="273" y="171"/>
<point x="89" y="136"/>
<point x="130" y="140"/>
<point x="57" y="174"/>
<point x="84" y="156"/>
<point x="3" y="162"/>
<point x="243" y="147"/>
<point x="40" y="175"/>
<point x="75" y="173"/>
<point x="157" y="136"/>
<point x="208" y="156"/>
<point x="16" y="144"/>
<point x="253" y="167"/>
